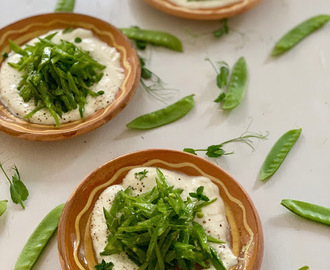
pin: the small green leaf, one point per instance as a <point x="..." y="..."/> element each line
<point x="215" y="151"/>
<point x="141" y="175"/>
<point x="3" y="207"/>
<point x="190" y="150"/>
<point x="104" y="266"/>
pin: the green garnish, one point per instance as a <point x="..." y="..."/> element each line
<point x="199" y="194"/>
<point x="57" y="77"/>
<point x="141" y="175"/>
<point x="153" y="84"/>
<point x="3" y="207"/>
<point x="224" y="29"/>
<point x="77" y="40"/>
<point x="18" y="190"/>
<point x="217" y="150"/>
<point x="5" y="55"/>
<point x="157" y="229"/>
<point x="104" y="266"/>
<point x="67" y="30"/>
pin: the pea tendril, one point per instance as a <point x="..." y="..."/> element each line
<point x="217" y="150"/>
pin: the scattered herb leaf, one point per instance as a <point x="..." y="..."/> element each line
<point x="304" y="268"/>
<point x="199" y="194"/>
<point x="67" y="30"/>
<point x="5" y="55"/>
<point x="153" y="84"/>
<point x="3" y="206"/>
<point x="141" y="175"/>
<point x="278" y="153"/>
<point x="217" y="150"/>
<point x="224" y="29"/>
<point x="104" y="266"/>
<point x="309" y="211"/>
<point x="18" y="190"/>
<point x="77" y="40"/>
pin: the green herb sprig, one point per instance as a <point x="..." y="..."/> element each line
<point x="57" y="77"/>
<point x="224" y="29"/>
<point x="18" y="190"/>
<point x="104" y="266"/>
<point x="153" y="84"/>
<point x="199" y="194"/>
<point x="141" y="175"/>
<point x="217" y="150"/>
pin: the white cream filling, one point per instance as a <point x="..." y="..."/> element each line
<point x="204" y="3"/>
<point x="214" y="220"/>
<point x="110" y="83"/>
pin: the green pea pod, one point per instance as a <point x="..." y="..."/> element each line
<point x="154" y="37"/>
<point x="278" y="153"/>
<point x="64" y="6"/>
<point x="304" y="268"/>
<point x="309" y="211"/>
<point x="237" y="85"/>
<point x="164" y="116"/>
<point x="298" y="33"/>
<point x="38" y="240"/>
<point x="3" y="207"/>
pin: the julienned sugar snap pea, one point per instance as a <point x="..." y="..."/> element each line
<point x="298" y="33"/>
<point x="309" y="211"/>
<point x="38" y="239"/>
<point x="237" y="85"/>
<point x="163" y="116"/>
<point x="154" y="37"/>
<point x="278" y="153"/>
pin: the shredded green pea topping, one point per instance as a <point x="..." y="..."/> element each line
<point x="157" y="229"/>
<point x="57" y="77"/>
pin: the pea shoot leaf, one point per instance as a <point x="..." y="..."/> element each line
<point x="224" y="29"/>
<point x="104" y="266"/>
<point x="190" y="150"/>
<point x="18" y="191"/>
<point x="141" y="175"/>
<point x="199" y="194"/>
<point x="3" y="207"/>
<point x="216" y="150"/>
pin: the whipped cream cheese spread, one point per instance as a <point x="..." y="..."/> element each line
<point x="113" y="76"/>
<point x="204" y="3"/>
<point x="214" y="220"/>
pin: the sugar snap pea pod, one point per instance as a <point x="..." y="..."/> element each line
<point x="298" y="33"/>
<point x="3" y="207"/>
<point x="154" y="37"/>
<point x="237" y="85"/>
<point x="163" y="116"/>
<point x="304" y="268"/>
<point x="64" y="5"/>
<point x="309" y="211"/>
<point x="278" y="153"/>
<point x="38" y="239"/>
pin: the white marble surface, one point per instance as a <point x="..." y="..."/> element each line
<point x="285" y="93"/>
